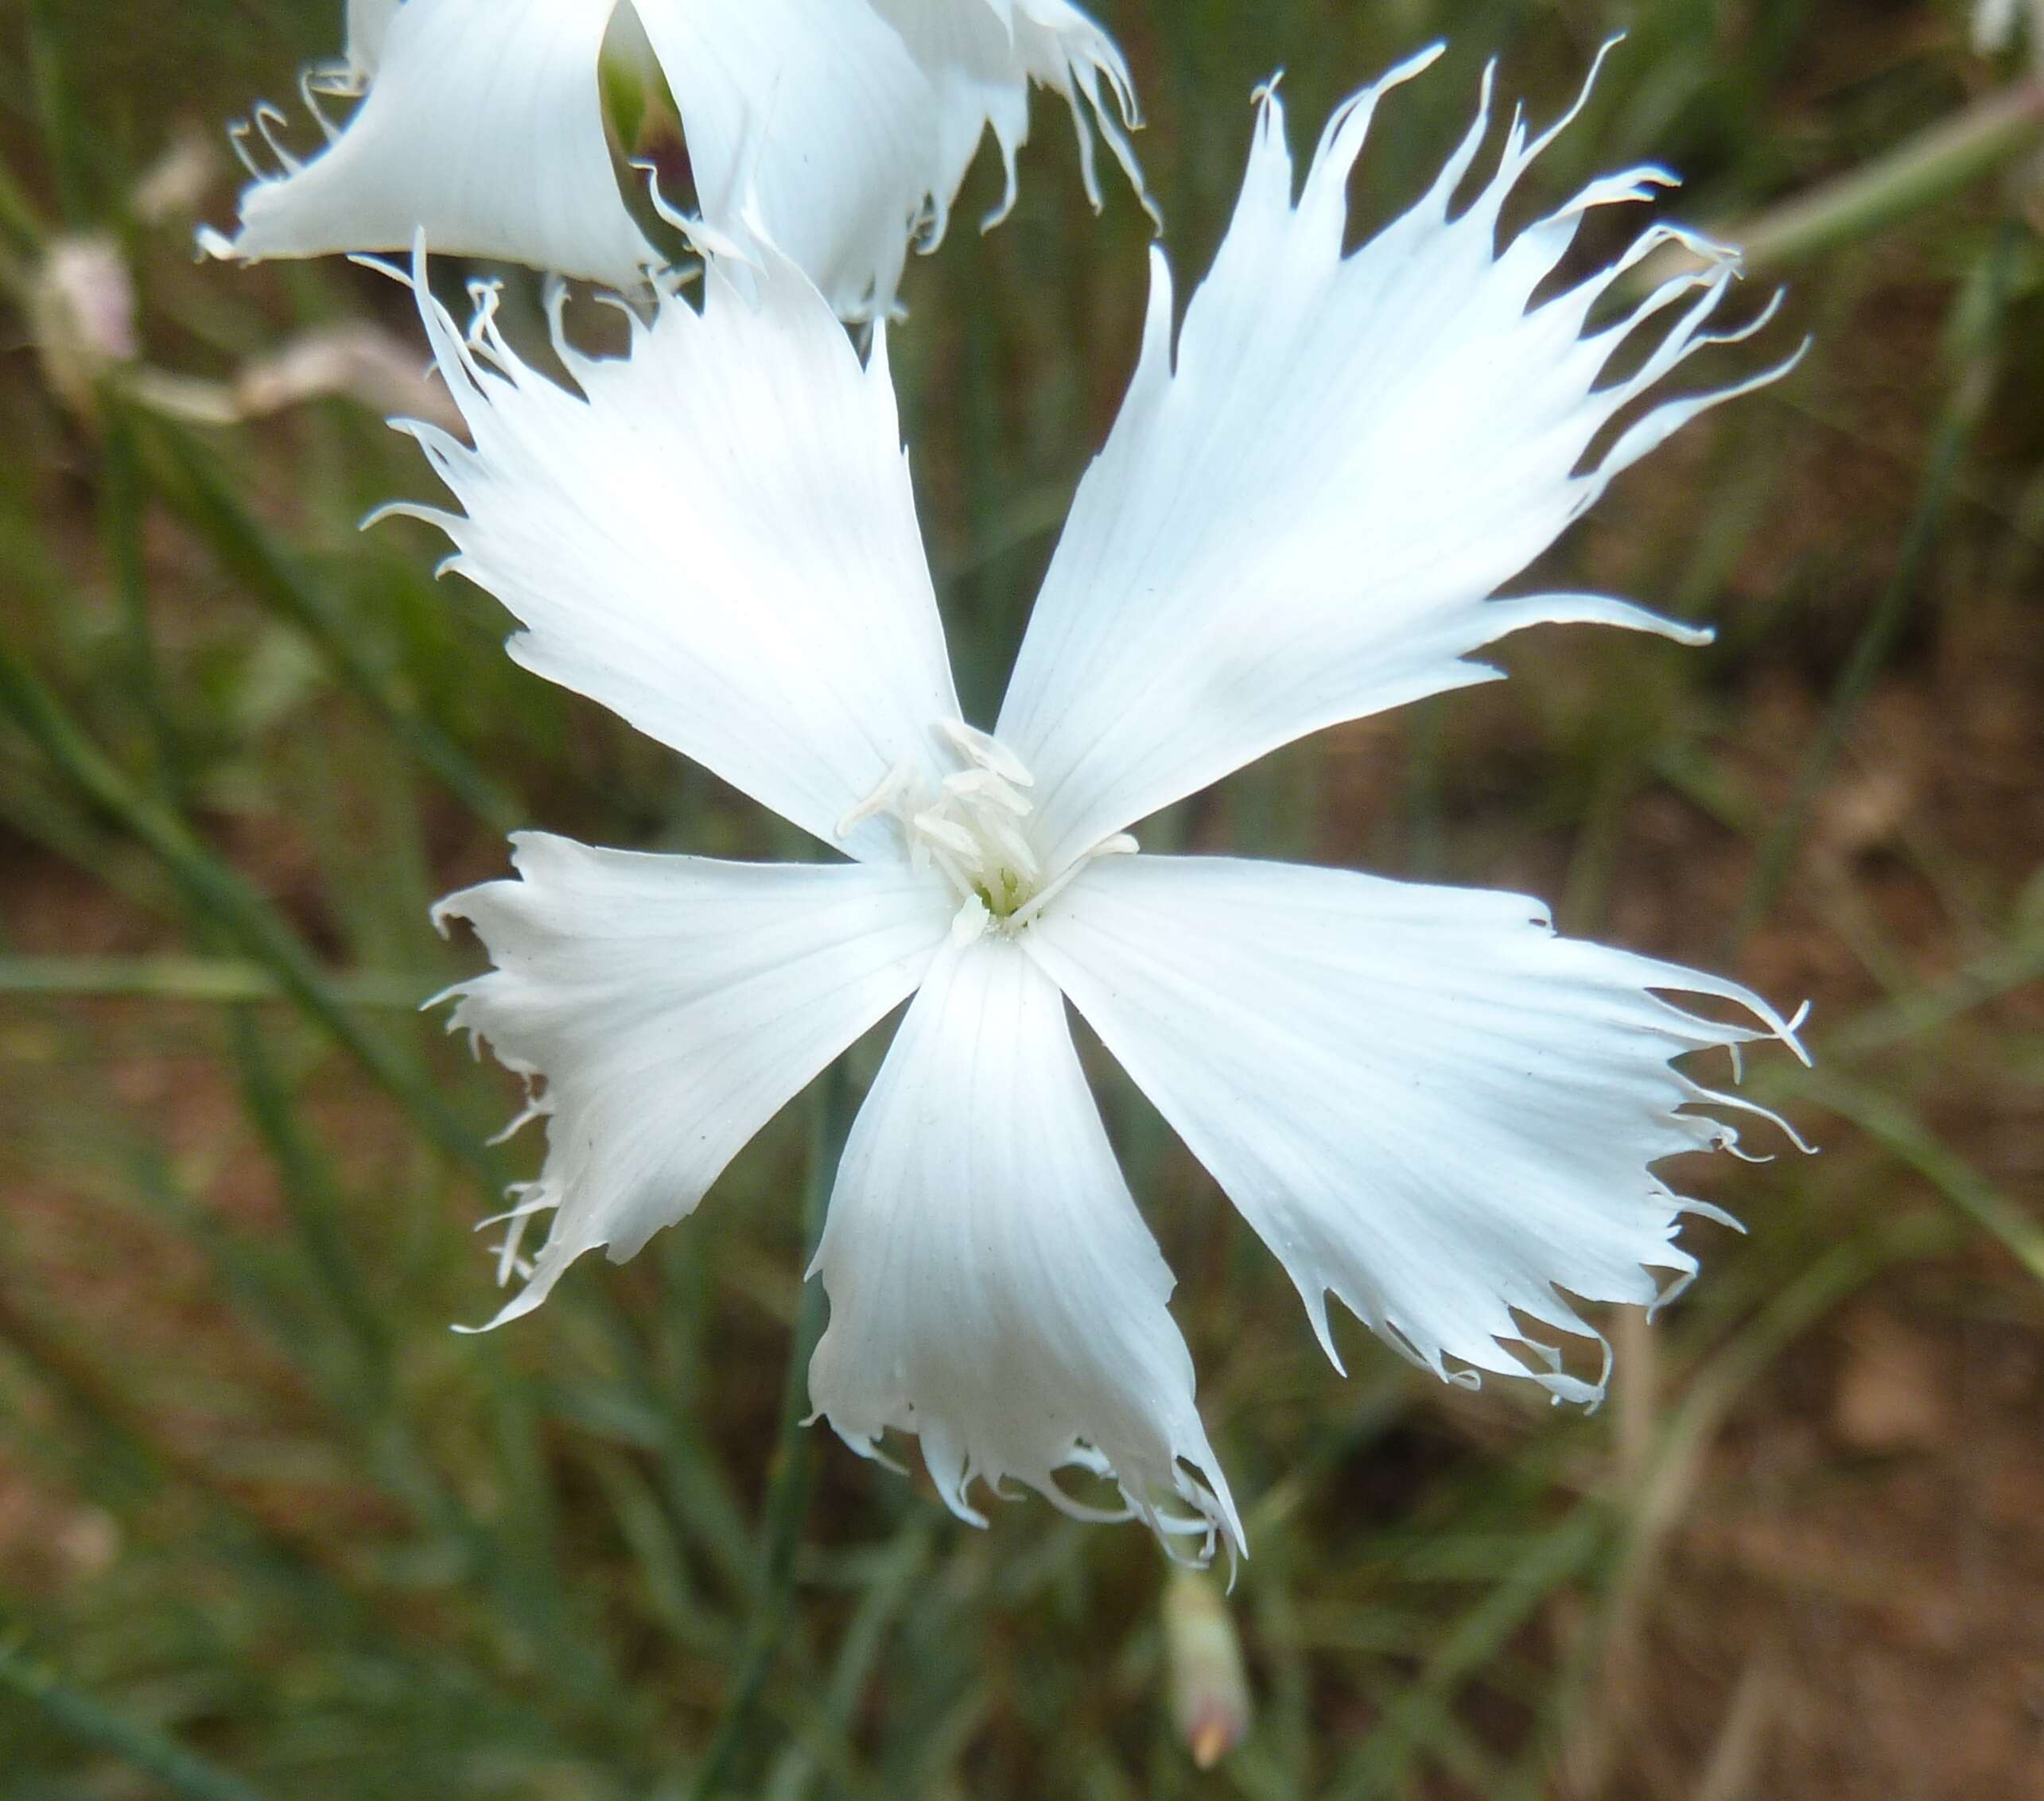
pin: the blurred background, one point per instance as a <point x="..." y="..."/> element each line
<point x="269" y="1529"/>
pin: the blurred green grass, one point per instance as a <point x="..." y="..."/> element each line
<point x="266" y="1528"/>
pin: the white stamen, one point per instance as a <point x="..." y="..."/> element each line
<point x="985" y="783"/>
<point x="970" y="923"/>
<point x="1121" y="845"/>
<point x="970" y="829"/>
<point x="953" y="836"/>
<point x="1013" y="847"/>
<point x="985" y="751"/>
<point x="896" y="782"/>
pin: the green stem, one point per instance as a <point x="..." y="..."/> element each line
<point x="121" y="507"/>
<point x="1424" y="1710"/>
<point x="1653" y="1511"/>
<point x="2013" y="965"/>
<point x="56" y="103"/>
<point x="199" y="493"/>
<point x="79" y="1717"/>
<point x="221" y="894"/>
<point x="1937" y="162"/>
<point x="217" y="981"/>
<point x="313" y="1580"/>
<point x="22" y="226"/>
<point x="793" y="1465"/>
<point x="1968" y="404"/>
<point x="1891" y="1124"/>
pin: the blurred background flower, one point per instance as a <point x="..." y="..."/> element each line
<point x="267" y="1528"/>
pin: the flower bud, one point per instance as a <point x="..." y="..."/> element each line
<point x="1210" y="1689"/>
<point x="83" y="308"/>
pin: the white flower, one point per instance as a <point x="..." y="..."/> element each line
<point x="368" y="24"/>
<point x="1427" y="1104"/>
<point x="838" y="128"/>
<point x="977" y="52"/>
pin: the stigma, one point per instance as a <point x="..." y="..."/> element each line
<point x="972" y="830"/>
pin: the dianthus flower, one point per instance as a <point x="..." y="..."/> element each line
<point x="1427" y="1104"/>
<point x="845" y="127"/>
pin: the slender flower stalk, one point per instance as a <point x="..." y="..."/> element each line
<point x="789" y="1476"/>
<point x="1428" y="1105"/>
<point x="841" y="129"/>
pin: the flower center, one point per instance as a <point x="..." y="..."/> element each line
<point x="970" y="830"/>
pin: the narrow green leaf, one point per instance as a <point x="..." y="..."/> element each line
<point x="75" y="1713"/>
<point x="225" y="896"/>
<point x="208" y="503"/>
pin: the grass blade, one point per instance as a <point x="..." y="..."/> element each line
<point x="793" y="1466"/>
<point x="203" y="497"/>
<point x="221" y="894"/>
<point x="184" y="1774"/>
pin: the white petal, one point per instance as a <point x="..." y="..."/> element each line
<point x="982" y="54"/>
<point x="716" y="539"/>
<point x="368" y="25"/>
<point x="671" y="1006"/>
<point x="806" y="120"/>
<point x="992" y="1285"/>
<point x="484" y="127"/>
<point x="1299" y="522"/>
<point x="1425" y="1102"/>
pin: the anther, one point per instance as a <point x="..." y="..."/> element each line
<point x="986" y="784"/>
<point x="952" y="836"/>
<point x="896" y="781"/>
<point x="985" y="751"/>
